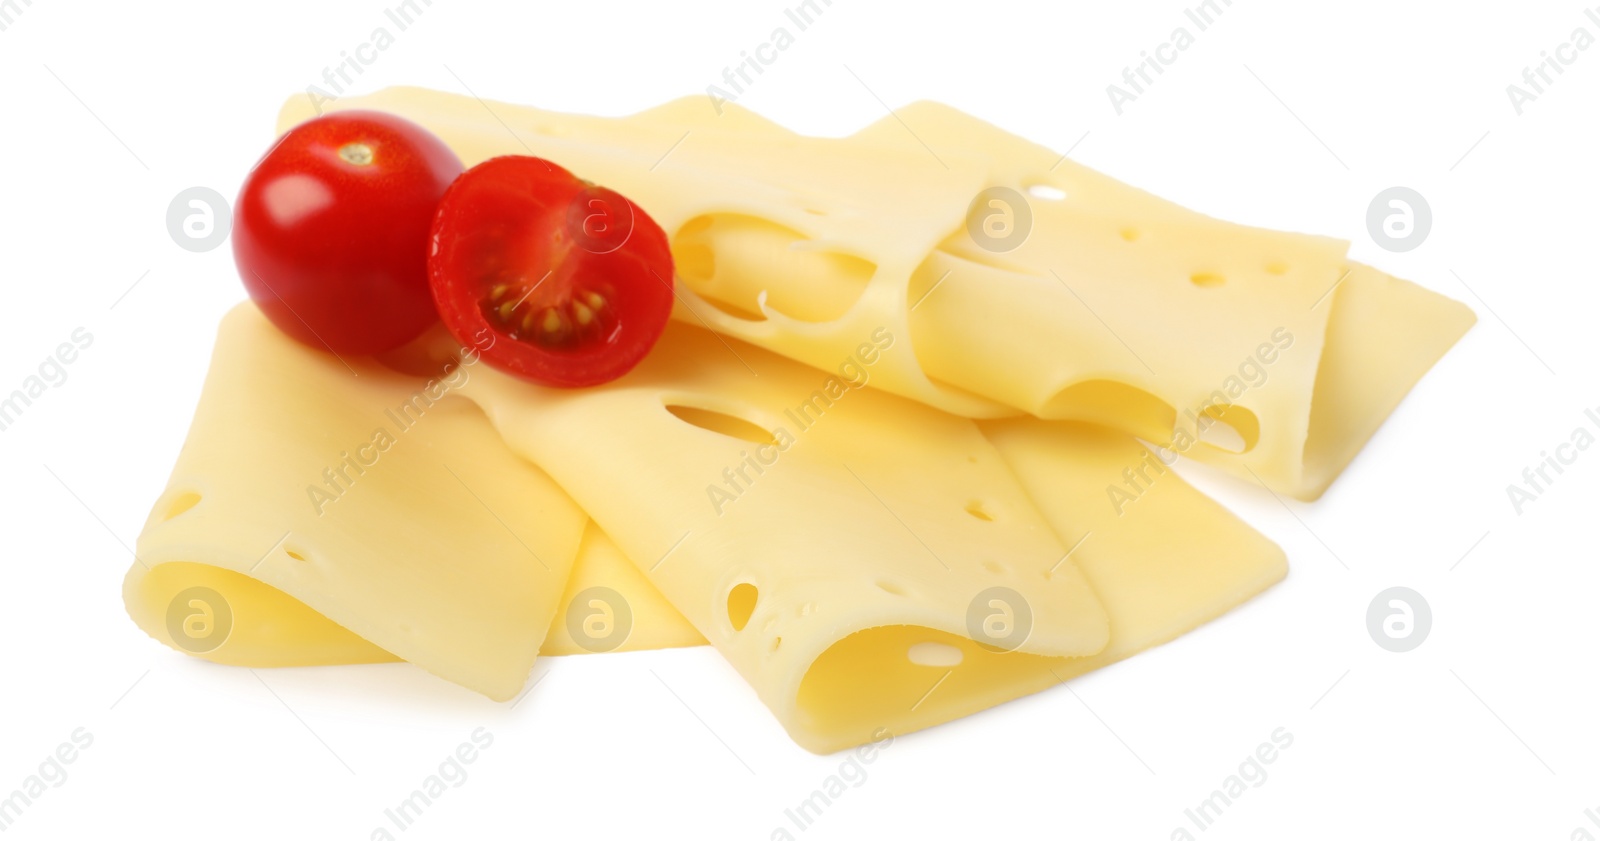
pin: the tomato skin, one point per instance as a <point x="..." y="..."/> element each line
<point x="331" y="231"/>
<point x="551" y="278"/>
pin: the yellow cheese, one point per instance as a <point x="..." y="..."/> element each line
<point x="609" y="605"/>
<point x="1162" y="565"/>
<point x="270" y="628"/>
<point x="863" y="561"/>
<point x="862" y="654"/>
<point x="256" y="625"/>
<point x="784" y="511"/>
<point x="1112" y="305"/>
<point x="833" y="203"/>
<point x="1302" y="351"/>
<point x="377" y="503"/>
<point x="1165" y="564"/>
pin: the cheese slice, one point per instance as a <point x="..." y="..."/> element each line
<point x="1255" y="324"/>
<point x="609" y="605"/>
<point x="1162" y="565"/>
<point x="784" y="512"/>
<point x="1114" y="307"/>
<point x="1171" y="561"/>
<point x="270" y="628"/>
<point x="314" y="493"/>
<point x="1301" y="351"/>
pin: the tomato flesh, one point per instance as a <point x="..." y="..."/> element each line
<point x="549" y="277"/>
<point x="332" y="230"/>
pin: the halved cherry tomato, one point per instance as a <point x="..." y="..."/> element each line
<point x="331" y="230"/>
<point x="552" y="278"/>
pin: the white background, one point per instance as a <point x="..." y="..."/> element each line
<point x="1487" y="730"/>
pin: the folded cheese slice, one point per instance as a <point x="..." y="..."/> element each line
<point x="1162" y="566"/>
<point x="1365" y="338"/>
<point x="1164" y="563"/>
<point x="315" y="494"/>
<point x="1084" y="299"/>
<point x="271" y="629"/>
<point x="609" y="605"/>
<point x="784" y="511"/>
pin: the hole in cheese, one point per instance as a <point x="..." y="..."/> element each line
<point x="695" y="262"/>
<point x="1277" y="267"/>
<point x="1113" y="403"/>
<point x="934" y="654"/>
<point x="295" y="553"/>
<point x="1234" y="429"/>
<point x="742" y="603"/>
<point x="732" y="260"/>
<point x="1207" y="279"/>
<point x="1129" y="234"/>
<point x="179" y="504"/>
<point x="867" y="680"/>
<point x="722" y="424"/>
<point x="696" y="266"/>
<point x="693" y="227"/>
<point x="976" y="509"/>
<point x="995" y="567"/>
<point x="891" y="587"/>
<point x="730" y="309"/>
<point x="1047" y="192"/>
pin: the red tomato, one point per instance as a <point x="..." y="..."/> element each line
<point x="331" y="230"/>
<point x="553" y="279"/>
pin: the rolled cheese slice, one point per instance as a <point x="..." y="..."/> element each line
<point x="608" y="606"/>
<point x="819" y="533"/>
<point x="315" y="494"/>
<point x="863" y="561"/>
<point x="1162" y="566"/>
<point x="1064" y="295"/>
<point x="1165" y="564"/>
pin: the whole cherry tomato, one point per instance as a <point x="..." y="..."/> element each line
<point x="332" y="226"/>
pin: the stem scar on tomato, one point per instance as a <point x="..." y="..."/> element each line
<point x="359" y="154"/>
